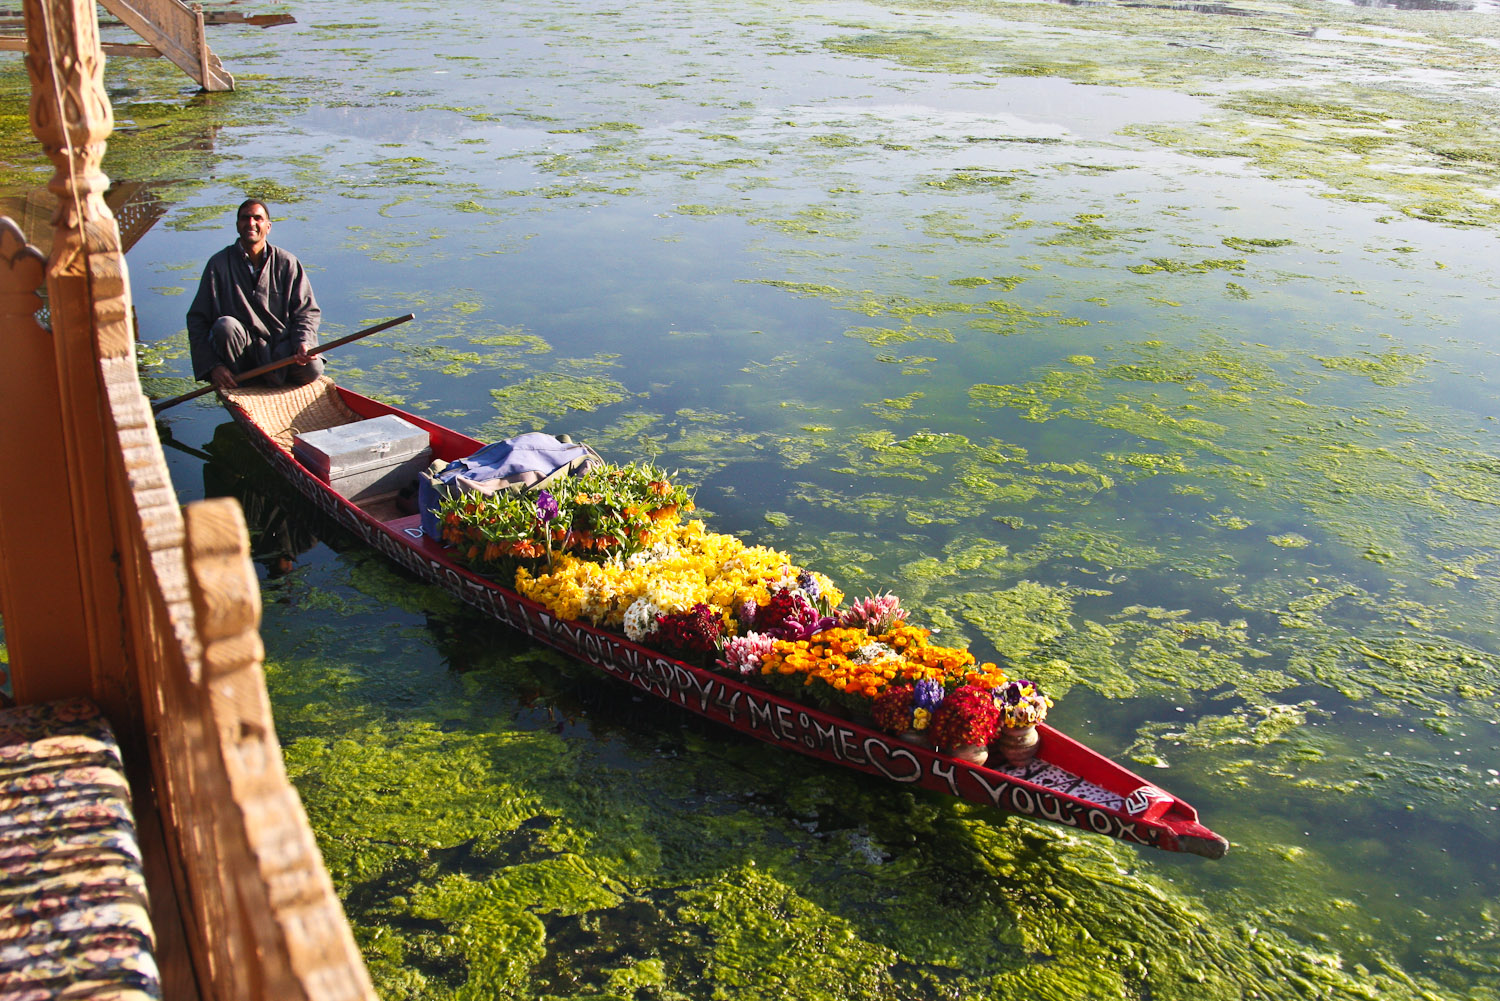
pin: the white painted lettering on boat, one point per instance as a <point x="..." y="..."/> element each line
<point x="995" y="791"/>
<point x="620" y="662"/>
<point x="1052" y="808"/>
<point x="1127" y="830"/>
<point x="623" y="662"/>
<point x="702" y="688"/>
<point x="824" y="736"/>
<point x="657" y="673"/>
<point x="888" y="754"/>
<point x="849" y="750"/>
<point x="731" y="708"/>
<point x="662" y="672"/>
<point x="760" y="713"/>
<point x="1025" y="805"/>
<point x="644" y="672"/>
<point x="593" y="648"/>
<point x="784" y="717"/>
<point x="564" y="633"/>
<point x="387" y="546"/>
<point x="640" y="669"/>
<point x="943" y="770"/>
<point x="1097" y="818"/>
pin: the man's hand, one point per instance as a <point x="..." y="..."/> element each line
<point x="222" y="378"/>
<point x="302" y="357"/>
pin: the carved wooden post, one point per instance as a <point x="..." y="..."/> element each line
<point x="305" y="949"/>
<point x="89" y="300"/>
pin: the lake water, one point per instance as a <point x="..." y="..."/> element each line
<point x="1149" y="346"/>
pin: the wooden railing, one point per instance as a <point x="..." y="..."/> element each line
<point x="109" y="590"/>
<point x="175" y="30"/>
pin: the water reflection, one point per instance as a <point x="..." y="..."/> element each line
<point x="282" y="525"/>
<point x="1196" y="8"/>
<point x="1437" y="5"/>
<point x="136" y="205"/>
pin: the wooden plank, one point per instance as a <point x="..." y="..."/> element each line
<point x="13" y="19"/>
<point x="17" y="43"/>
<point x="201" y="37"/>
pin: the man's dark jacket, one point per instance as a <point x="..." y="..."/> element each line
<point x="276" y="307"/>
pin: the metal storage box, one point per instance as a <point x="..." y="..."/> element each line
<point x="367" y="458"/>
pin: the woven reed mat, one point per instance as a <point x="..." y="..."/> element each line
<point x="286" y="411"/>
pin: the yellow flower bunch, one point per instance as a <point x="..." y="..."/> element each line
<point x="685" y="566"/>
<point x="851" y="661"/>
<point x="575" y="589"/>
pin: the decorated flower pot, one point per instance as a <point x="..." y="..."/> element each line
<point x="974" y="754"/>
<point x="1018" y="744"/>
<point x="916" y="737"/>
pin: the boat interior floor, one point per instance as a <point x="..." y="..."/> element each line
<point x="284" y="412"/>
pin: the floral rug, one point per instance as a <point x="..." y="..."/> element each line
<point x="73" y="907"/>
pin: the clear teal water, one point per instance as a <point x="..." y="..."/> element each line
<point x="1148" y="347"/>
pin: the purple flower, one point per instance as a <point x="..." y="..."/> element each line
<point x="546" y="506"/>
<point x="1010" y="694"/>
<point x="808" y="584"/>
<point x="928" y="695"/>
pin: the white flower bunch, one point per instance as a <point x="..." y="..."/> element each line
<point x="875" y="652"/>
<point x="657" y="552"/>
<point x="640" y="619"/>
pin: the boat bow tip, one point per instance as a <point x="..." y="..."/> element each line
<point x="1208" y="844"/>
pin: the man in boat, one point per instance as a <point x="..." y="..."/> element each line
<point x="254" y="306"/>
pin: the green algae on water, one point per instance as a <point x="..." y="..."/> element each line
<point x="533" y="403"/>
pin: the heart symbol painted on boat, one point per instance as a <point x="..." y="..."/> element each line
<point x="896" y="763"/>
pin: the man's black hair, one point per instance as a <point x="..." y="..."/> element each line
<point x="252" y="201"/>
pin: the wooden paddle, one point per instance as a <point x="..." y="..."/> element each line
<point x="161" y="405"/>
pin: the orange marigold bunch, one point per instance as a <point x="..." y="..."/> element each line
<point x="850" y="660"/>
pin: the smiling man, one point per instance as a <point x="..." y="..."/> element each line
<point x="254" y="306"/>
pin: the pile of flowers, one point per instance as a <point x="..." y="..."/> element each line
<point x="608" y="510"/>
<point x="903" y="709"/>
<point x="684" y="566"/>
<point x="968" y="715"/>
<point x="608" y="547"/>
<point x="874" y="664"/>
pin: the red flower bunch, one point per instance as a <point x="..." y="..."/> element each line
<point x="695" y="632"/>
<point x="967" y="716"/>
<point x="892" y="708"/>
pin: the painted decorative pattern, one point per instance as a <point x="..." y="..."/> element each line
<point x="1061" y="780"/>
<point x="73" y="904"/>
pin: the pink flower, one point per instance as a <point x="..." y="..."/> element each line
<point x="875" y="614"/>
<point x="742" y="654"/>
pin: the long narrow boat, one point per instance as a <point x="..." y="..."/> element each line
<point x="1067" y="783"/>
